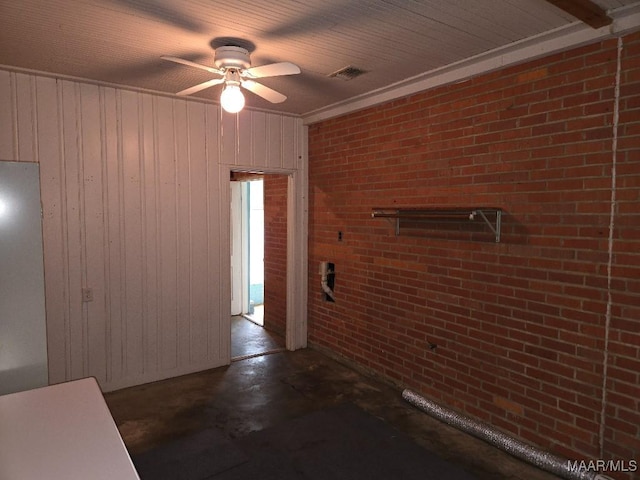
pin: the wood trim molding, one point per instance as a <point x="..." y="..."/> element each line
<point x="584" y="10"/>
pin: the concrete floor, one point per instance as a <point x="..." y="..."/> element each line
<point x="257" y="392"/>
<point x="249" y="339"/>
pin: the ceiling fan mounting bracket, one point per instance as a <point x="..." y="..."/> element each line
<point x="232" y="77"/>
<point x="232" y="57"/>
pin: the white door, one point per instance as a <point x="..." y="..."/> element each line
<point x="247" y="246"/>
<point x="238" y="250"/>
<point x="23" y="342"/>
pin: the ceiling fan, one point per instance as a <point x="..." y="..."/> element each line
<point x="234" y="67"/>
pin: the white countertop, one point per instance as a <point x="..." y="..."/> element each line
<point x="61" y="432"/>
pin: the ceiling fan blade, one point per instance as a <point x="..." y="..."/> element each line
<point x="272" y="70"/>
<point x="193" y="64"/>
<point x="201" y="86"/>
<point x="264" y="92"/>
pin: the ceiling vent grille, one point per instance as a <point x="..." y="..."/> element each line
<point x="347" y="73"/>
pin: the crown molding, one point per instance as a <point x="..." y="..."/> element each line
<point x="625" y="20"/>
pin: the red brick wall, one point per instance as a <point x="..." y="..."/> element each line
<point x="520" y="326"/>
<point x="622" y="433"/>
<point x="275" y="252"/>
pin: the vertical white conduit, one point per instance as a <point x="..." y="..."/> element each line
<point x="612" y="216"/>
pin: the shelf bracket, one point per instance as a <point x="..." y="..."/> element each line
<point x="496" y="229"/>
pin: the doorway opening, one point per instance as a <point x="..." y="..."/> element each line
<point x="258" y="266"/>
<point x="247" y="249"/>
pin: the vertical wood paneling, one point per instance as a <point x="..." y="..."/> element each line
<point x="199" y="251"/>
<point x="167" y="265"/>
<point x="114" y="290"/>
<point x="183" y="254"/>
<point x="229" y="138"/>
<point x="261" y="141"/>
<point x="273" y="141"/>
<point x="72" y="212"/>
<point x="256" y="135"/>
<point x="7" y="125"/>
<point x="219" y="332"/>
<point x="290" y="141"/>
<point x="244" y="147"/>
<point x="212" y="136"/>
<point x="25" y="109"/>
<point x="51" y="182"/>
<point x="150" y="234"/>
<point x="92" y="234"/>
<point x="135" y="208"/>
<point x="131" y="236"/>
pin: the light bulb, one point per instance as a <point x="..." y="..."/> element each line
<point x="232" y="99"/>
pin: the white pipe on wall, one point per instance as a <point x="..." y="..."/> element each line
<point x="324" y="273"/>
<point x="326" y="289"/>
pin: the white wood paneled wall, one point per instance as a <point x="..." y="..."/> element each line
<point x="135" y="208"/>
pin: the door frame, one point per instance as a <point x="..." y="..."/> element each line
<point x="297" y="252"/>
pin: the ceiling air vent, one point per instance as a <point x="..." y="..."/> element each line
<point x="347" y="73"/>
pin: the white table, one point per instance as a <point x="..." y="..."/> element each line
<point x="61" y="432"/>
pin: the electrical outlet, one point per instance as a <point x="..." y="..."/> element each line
<point x="87" y="295"/>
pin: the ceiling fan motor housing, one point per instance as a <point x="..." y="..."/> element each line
<point x="232" y="57"/>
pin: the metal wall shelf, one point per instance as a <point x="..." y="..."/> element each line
<point x="492" y="217"/>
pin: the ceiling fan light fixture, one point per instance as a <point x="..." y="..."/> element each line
<point x="232" y="99"/>
<point x="234" y="66"/>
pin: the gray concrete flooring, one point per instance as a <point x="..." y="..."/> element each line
<point x="248" y="338"/>
<point x="257" y="392"/>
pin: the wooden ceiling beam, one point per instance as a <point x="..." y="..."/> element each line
<point x="585" y="11"/>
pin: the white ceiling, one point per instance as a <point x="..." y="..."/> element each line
<point x="397" y="42"/>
